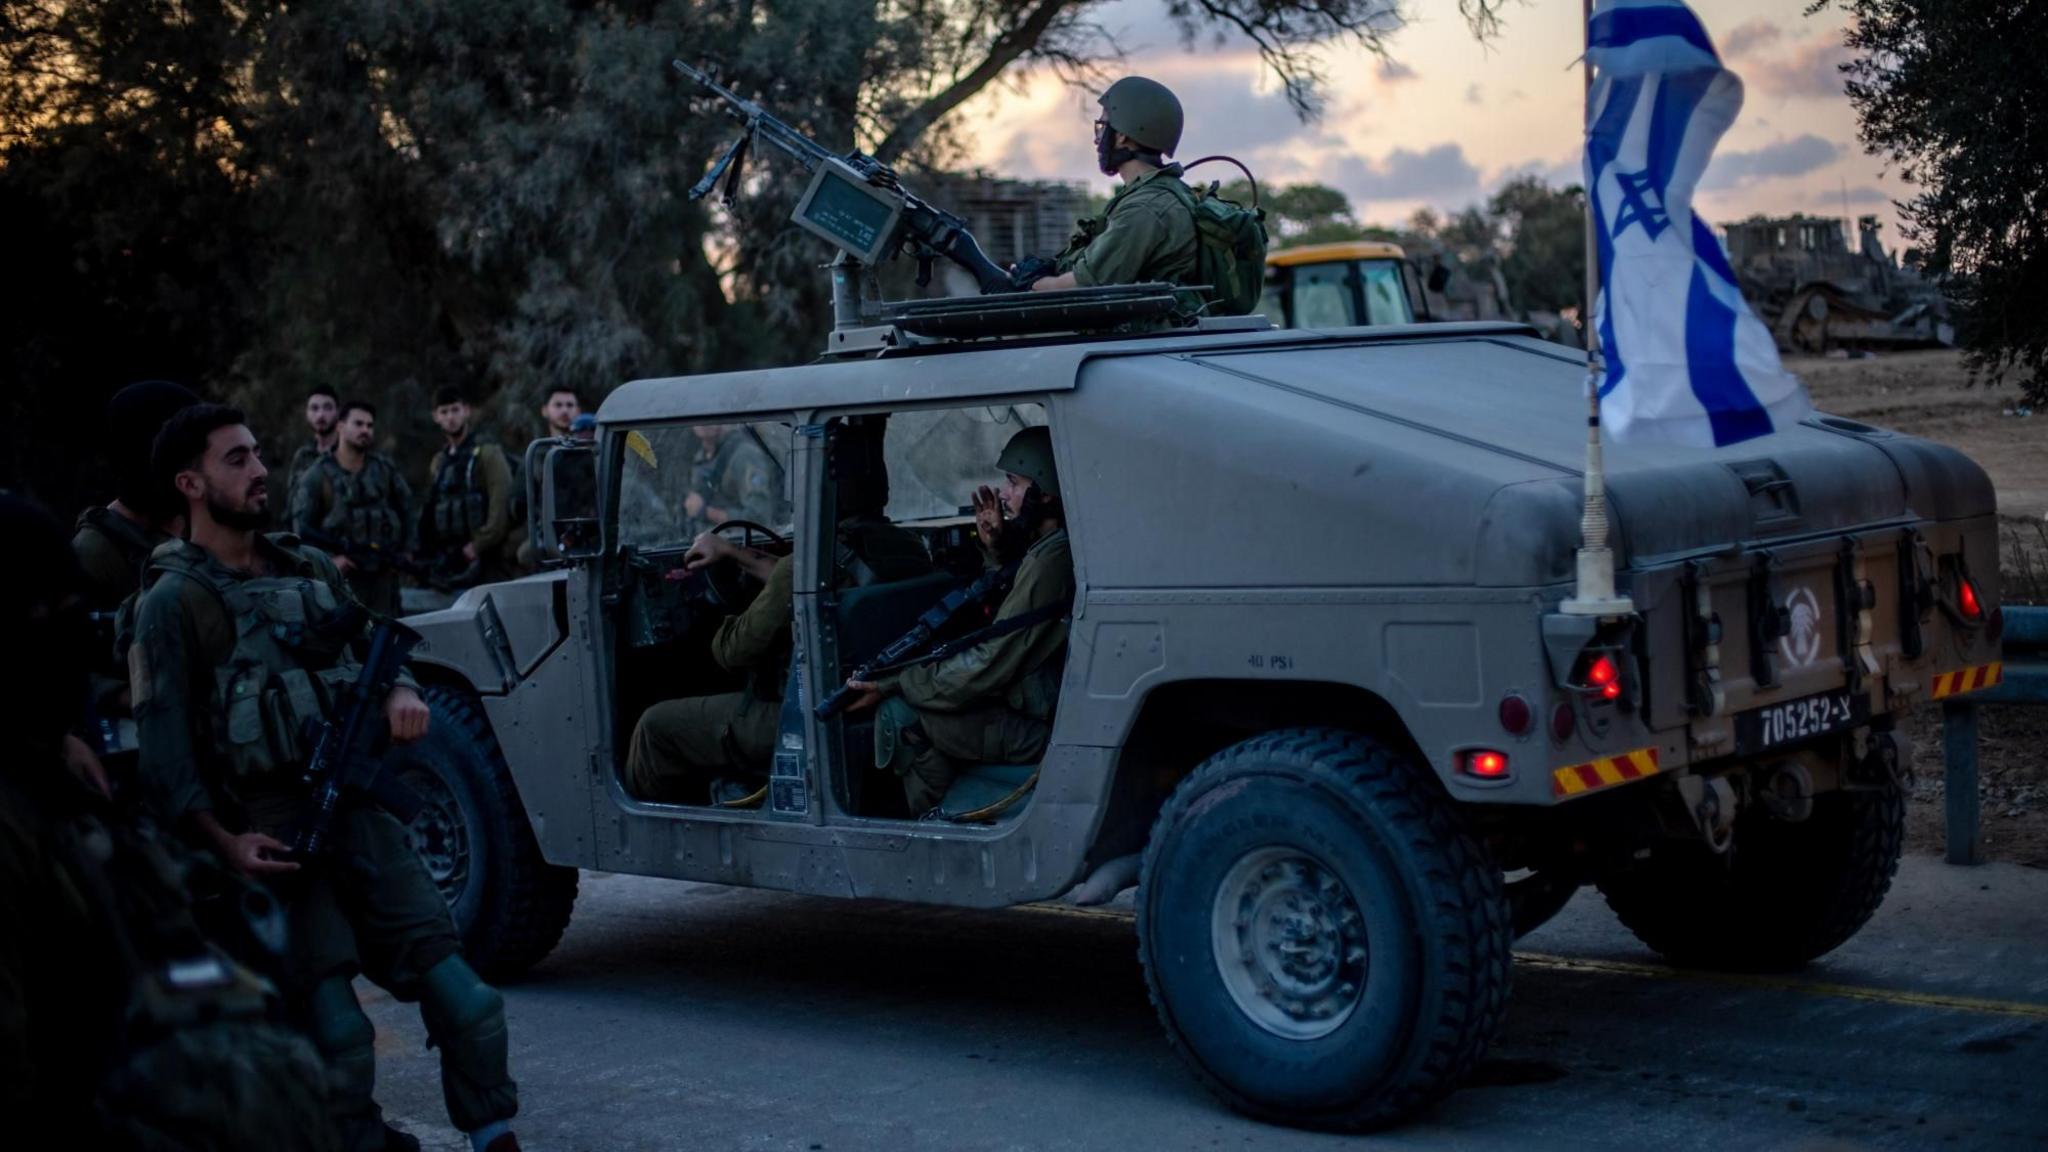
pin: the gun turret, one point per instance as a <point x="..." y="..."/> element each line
<point x="854" y="201"/>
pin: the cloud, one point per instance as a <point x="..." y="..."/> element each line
<point x="1392" y="71"/>
<point x="1776" y="160"/>
<point x="1474" y="94"/>
<point x="1812" y="69"/>
<point x="1744" y="39"/>
<point x="1561" y="173"/>
<point x="1438" y="172"/>
<point x="1869" y="194"/>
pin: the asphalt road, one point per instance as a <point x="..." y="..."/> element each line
<point x="683" y="1016"/>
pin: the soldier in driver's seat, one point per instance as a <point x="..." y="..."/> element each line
<point x="717" y="748"/>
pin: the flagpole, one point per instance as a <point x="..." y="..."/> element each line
<point x="1594" y="594"/>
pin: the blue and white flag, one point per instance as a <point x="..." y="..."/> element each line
<point x="1687" y="362"/>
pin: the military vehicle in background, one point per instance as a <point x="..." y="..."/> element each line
<point x="1816" y="295"/>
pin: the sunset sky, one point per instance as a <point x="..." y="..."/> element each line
<point x="1447" y="119"/>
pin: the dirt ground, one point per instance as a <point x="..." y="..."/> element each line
<point x="1925" y="393"/>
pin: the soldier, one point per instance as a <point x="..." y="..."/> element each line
<point x="236" y="633"/>
<point x="468" y="518"/>
<point x="1148" y="230"/>
<point x="354" y="501"/>
<point x="119" y="1022"/>
<point x="322" y="414"/>
<point x="560" y="410"/>
<point x="733" y="478"/>
<point x="992" y="703"/>
<point x="113" y="542"/>
<point x="724" y="742"/>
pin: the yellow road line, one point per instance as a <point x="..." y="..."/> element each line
<point x="1900" y="996"/>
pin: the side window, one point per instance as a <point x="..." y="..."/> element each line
<point x="938" y="457"/>
<point x="678" y="480"/>
<point x="1386" y="301"/>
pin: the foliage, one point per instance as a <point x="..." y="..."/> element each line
<point x="1953" y="92"/>
<point x="1544" y="232"/>
<point x="386" y="196"/>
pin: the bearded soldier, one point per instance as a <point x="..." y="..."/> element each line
<point x="468" y="523"/>
<point x="354" y="501"/>
<point x="241" y="640"/>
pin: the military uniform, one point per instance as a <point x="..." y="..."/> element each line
<point x="371" y="511"/>
<point x="679" y="745"/>
<point x="741" y="479"/>
<point x="991" y="704"/>
<point x="303" y="459"/>
<point x="111" y="549"/>
<point x="469" y="501"/>
<point x="1147" y="233"/>
<point x="227" y="668"/>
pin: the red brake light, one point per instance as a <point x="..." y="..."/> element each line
<point x="1486" y="765"/>
<point x="1602" y="673"/>
<point x="1966" y="599"/>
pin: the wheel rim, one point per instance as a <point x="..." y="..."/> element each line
<point x="1290" y="943"/>
<point x="439" y="835"/>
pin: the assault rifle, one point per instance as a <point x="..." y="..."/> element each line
<point x="344" y="761"/>
<point x="368" y="557"/>
<point x="854" y="201"/>
<point x="901" y="650"/>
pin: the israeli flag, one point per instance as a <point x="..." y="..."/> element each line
<point x="1687" y="362"/>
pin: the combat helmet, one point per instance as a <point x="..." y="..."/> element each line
<point x="1029" y="454"/>
<point x="1146" y="111"/>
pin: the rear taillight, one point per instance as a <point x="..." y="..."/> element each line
<point x="1604" y="678"/>
<point x="1486" y="764"/>
<point x="1966" y="599"/>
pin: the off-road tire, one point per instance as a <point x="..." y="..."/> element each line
<point x="509" y="904"/>
<point x="1784" y="894"/>
<point x="1435" y="925"/>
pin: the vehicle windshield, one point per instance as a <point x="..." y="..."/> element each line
<point x="680" y="480"/>
<point x="1386" y="300"/>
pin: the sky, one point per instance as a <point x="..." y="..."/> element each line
<point x="1445" y="119"/>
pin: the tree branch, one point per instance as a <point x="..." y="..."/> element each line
<point x="1013" y="44"/>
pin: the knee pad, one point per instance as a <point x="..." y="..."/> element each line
<point x="335" y="1021"/>
<point x="455" y="1000"/>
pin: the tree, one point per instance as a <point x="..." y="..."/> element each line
<point x="1544" y="231"/>
<point x="1953" y="92"/>
<point x="1298" y="214"/>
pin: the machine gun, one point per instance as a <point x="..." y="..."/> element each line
<point x="854" y="201"/>
<point x="904" y="648"/>
<point x="368" y="557"/>
<point x="343" y="760"/>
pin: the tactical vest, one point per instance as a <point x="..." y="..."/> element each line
<point x="458" y="506"/>
<point x="288" y="664"/>
<point x="359" y="508"/>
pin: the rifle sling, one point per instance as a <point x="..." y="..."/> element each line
<point x="1058" y="609"/>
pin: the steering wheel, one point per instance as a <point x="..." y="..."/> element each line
<point x="748" y="529"/>
<point x="726" y="588"/>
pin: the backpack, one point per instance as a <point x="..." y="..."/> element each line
<point x="1230" y="244"/>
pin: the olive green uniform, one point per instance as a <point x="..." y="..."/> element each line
<point x="740" y="479"/>
<point x="1146" y="233"/>
<point x="303" y="459"/>
<point x="469" y="501"/>
<point x="992" y="704"/>
<point x="226" y="670"/>
<point x="112" y="550"/>
<point x="370" y="509"/>
<point x="680" y="744"/>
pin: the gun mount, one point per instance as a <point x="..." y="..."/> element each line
<point x="854" y="202"/>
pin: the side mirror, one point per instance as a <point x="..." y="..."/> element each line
<point x="562" y="522"/>
<point x="1438" y="277"/>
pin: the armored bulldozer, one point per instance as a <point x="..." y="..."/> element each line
<point x="1317" y="702"/>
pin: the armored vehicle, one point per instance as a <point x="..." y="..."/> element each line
<point x="1318" y="701"/>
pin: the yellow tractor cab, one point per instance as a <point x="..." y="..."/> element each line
<point x="1344" y="285"/>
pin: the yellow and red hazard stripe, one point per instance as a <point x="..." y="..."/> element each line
<point x="1967" y="680"/>
<point x="1604" y="772"/>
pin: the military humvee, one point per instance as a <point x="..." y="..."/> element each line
<point x="1318" y="703"/>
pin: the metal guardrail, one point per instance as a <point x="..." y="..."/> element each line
<point x="2025" y="682"/>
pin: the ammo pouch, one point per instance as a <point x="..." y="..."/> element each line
<point x="271" y="716"/>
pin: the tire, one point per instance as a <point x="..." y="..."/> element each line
<point x="1343" y="850"/>
<point x="509" y="904"/>
<point x="1784" y="894"/>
